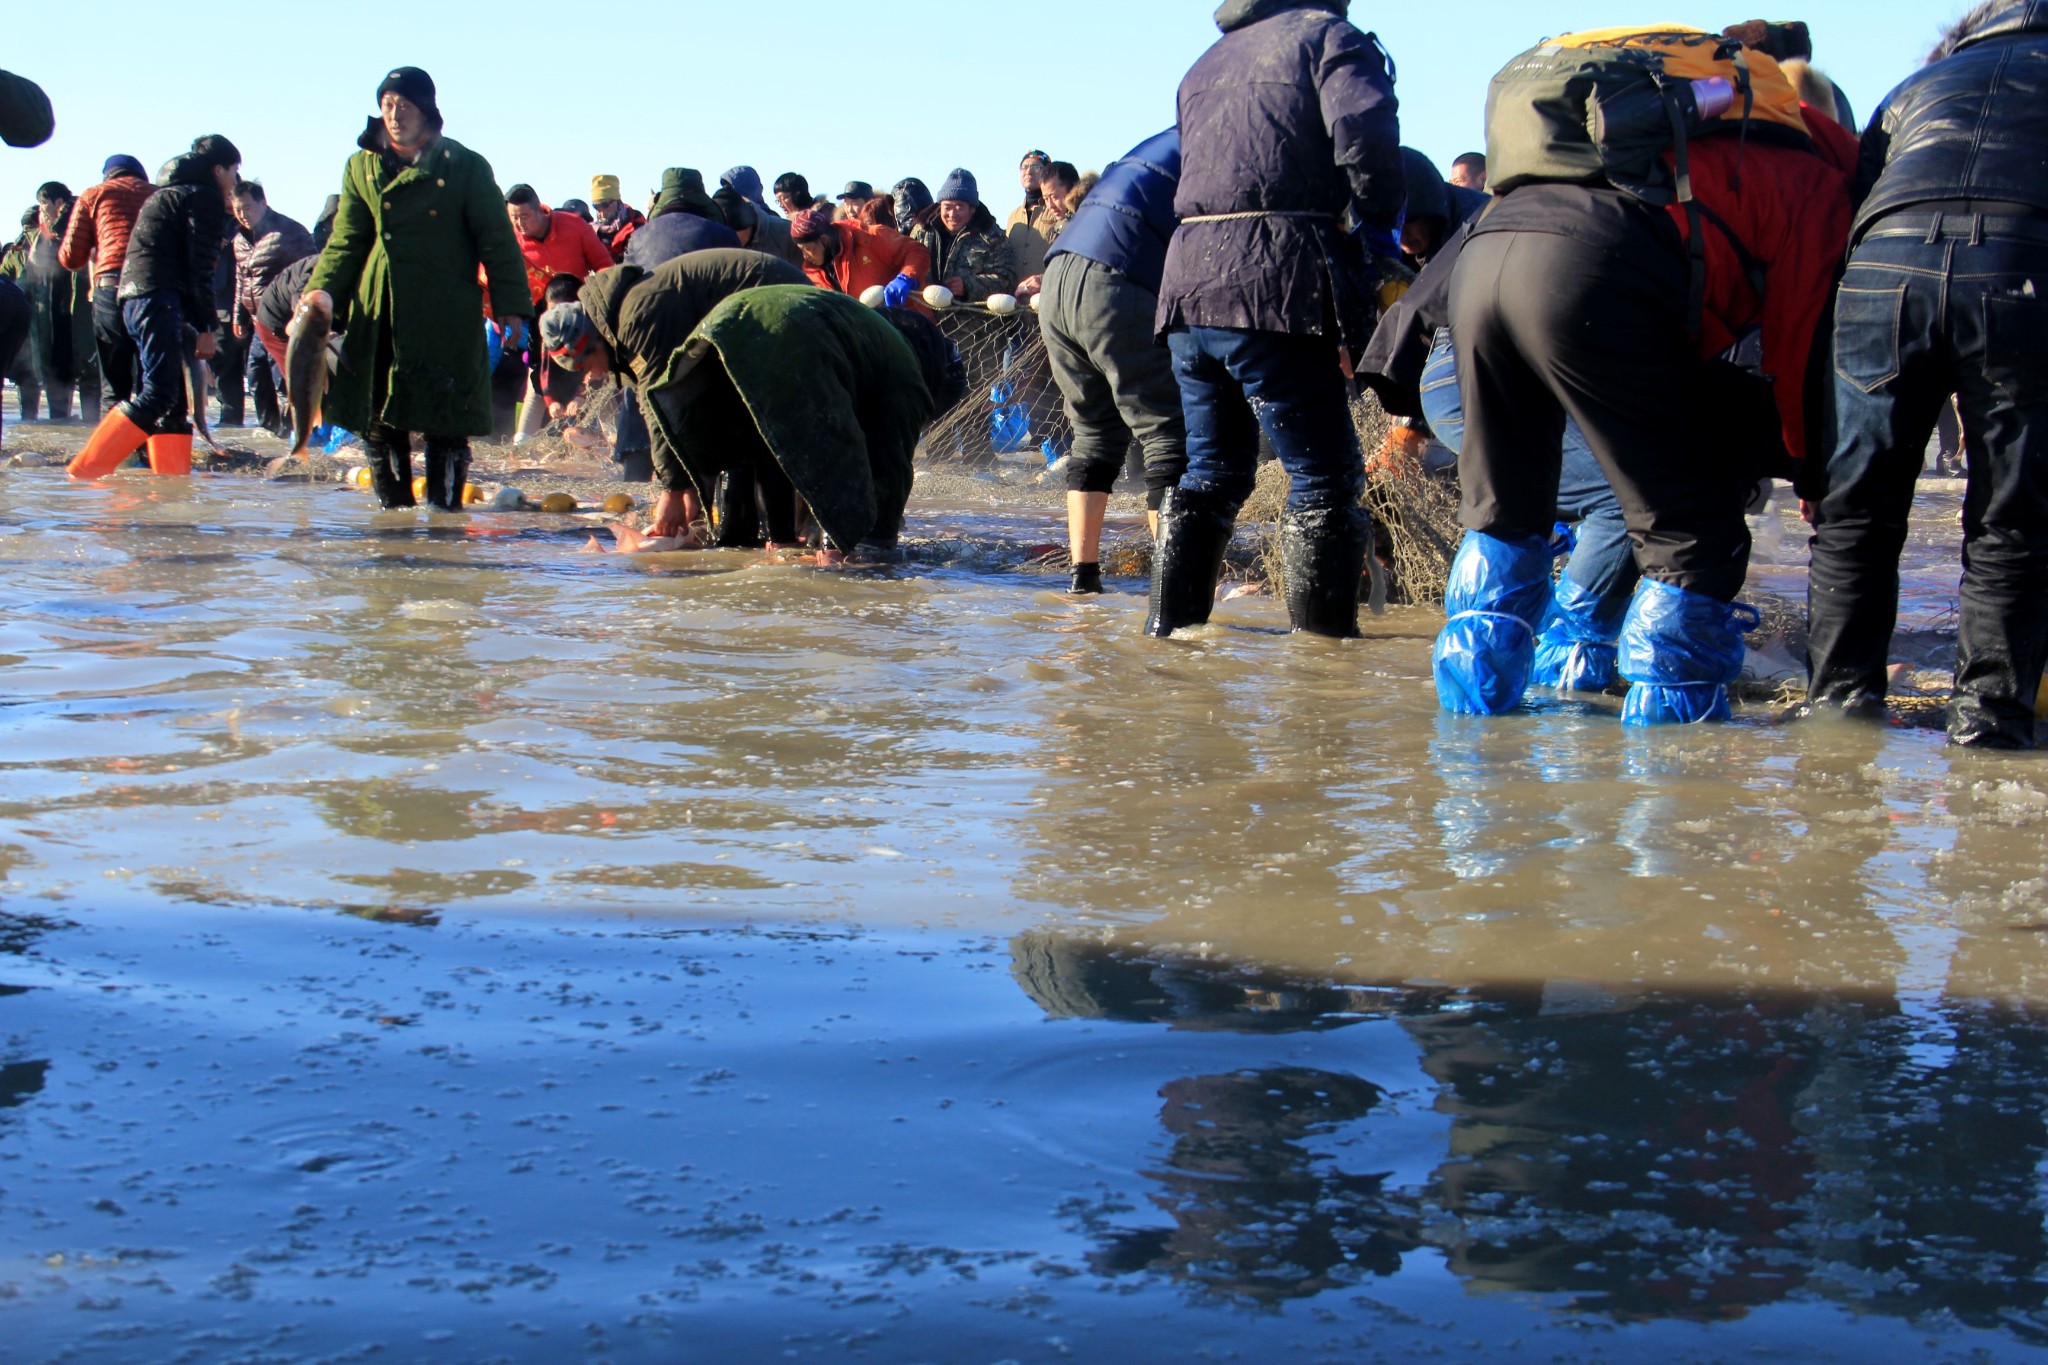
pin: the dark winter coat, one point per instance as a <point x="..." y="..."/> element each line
<point x="262" y="253"/>
<point x="642" y="316"/>
<point x="1285" y="124"/>
<point x="177" y="242"/>
<point x="978" y="256"/>
<point x="828" y="388"/>
<point x="670" y="235"/>
<point x="1432" y="196"/>
<point x="402" y="267"/>
<point x="274" y="310"/>
<point x="1971" y="126"/>
<point x="1127" y="220"/>
<point x="26" y="119"/>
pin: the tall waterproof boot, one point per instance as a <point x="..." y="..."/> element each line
<point x="2000" y="648"/>
<point x="1497" y="595"/>
<point x="390" y="472"/>
<point x="738" y="514"/>
<point x="1576" y="651"/>
<point x="111" y="443"/>
<point x="447" y="472"/>
<point x="1194" y="532"/>
<point x="1679" y="651"/>
<point x="171" y="456"/>
<point x="1322" y="559"/>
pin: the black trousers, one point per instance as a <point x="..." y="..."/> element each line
<point x="117" y="348"/>
<point x="230" y="363"/>
<point x="1932" y="305"/>
<point x="14" y="323"/>
<point x="1550" y="327"/>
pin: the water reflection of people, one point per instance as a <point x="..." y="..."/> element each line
<point x="1690" y="1154"/>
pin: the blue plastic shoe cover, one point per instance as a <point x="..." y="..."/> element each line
<point x="1498" y="593"/>
<point x="1679" y="651"/>
<point x="1576" y="650"/>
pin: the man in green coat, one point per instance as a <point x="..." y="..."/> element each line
<point x="808" y="381"/>
<point x="639" y="318"/>
<point x="419" y="214"/>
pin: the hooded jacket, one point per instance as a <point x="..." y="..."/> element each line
<point x="101" y="223"/>
<point x="1127" y="220"/>
<point x="682" y="191"/>
<point x="1973" y="125"/>
<point x="747" y="182"/>
<point x="177" y="241"/>
<point x="1432" y="196"/>
<point x="1287" y="123"/>
<point x="642" y="316"/>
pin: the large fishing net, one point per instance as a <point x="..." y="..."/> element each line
<point x="1012" y="408"/>
<point x="1413" y="501"/>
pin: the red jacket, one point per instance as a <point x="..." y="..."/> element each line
<point x="101" y="222"/>
<point x="1791" y="214"/>
<point x="630" y="221"/>
<point x="871" y="256"/>
<point x="570" y="248"/>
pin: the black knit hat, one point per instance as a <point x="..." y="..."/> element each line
<point x="415" y="85"/>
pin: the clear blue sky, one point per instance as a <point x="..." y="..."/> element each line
<point x="554" y="92"/>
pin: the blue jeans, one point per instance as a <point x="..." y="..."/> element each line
<point x="1604" y="563"/>
<point x="1235" y="383"/>
<point x="1936" y="304"/>
<point x="156" y="324"/>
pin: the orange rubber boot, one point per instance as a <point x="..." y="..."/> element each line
<point x="171" y="456"/>
<point x="111" y="443"/>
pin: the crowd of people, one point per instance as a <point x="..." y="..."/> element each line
<point x="1676" y="274"/>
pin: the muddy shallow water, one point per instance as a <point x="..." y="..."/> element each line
<point x="421" y="941"/>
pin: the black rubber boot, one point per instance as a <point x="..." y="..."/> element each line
<point x="1087" y="581"/>
<point x="447" y="472"/>
<point x="739" y="515"/>
<point x="391" y="472"/>
<point x="1194" y="531"/>
<point x="2000" y="647"/>
<point x="1322" y="562"/>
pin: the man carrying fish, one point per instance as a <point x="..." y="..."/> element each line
<point x="166" y="290"/>
<point x="419" y="214"/>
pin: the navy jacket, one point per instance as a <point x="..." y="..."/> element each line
<point x="1286" y="124"/>
<point x="663" y="239"/>
<point x="1127" y="220"/>
<point x="1973" y="125"/>
<point x="177" y="242"/>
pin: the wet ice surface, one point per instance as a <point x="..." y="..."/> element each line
<point x="420" y="942"/>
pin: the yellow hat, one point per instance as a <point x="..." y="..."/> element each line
<point x="603" y="187"/>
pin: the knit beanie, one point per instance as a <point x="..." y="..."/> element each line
<point x="566" y="334"/>
<point x="960" y="185"/>
<point x="415" y="85"/>
<point x="809" y="225"/>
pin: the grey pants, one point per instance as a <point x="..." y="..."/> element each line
<point x="1116" y="378"/>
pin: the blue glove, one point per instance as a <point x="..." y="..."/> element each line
<point x="898" y="291"/>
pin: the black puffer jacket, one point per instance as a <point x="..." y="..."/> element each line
<point x="1973" y="125"/>
<point x="1285" y="124"/>
<point x="178" y="240"/>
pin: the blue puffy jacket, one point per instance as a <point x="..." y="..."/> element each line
<point x="677" y="234"/>
<point x="1127" y="220"/>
